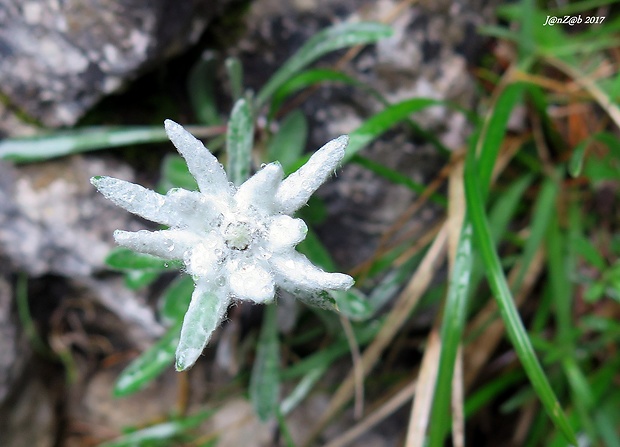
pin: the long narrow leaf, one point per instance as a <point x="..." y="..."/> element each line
<point x="287" y="145"/>
<point x="451" y="333"/>
<point x="239" y="140"/>
<point x="201" y="89"/>
<point x="330" y="39"/>
<point x="383" y="121"/>
<point x="149" y="365"/>
<point x="160" y="432"/>
<point x="505" y="302"/>
<point x="76" y="141"/>
<point x="265" y="383"/>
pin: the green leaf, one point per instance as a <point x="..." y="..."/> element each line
<point x="353" y="304"/>
<point x="176" y="298"/>
<point x="452" y="325"/>
<point x="303" y="388"/>
<point x="159" y="432"/>
<point x="325" y="357"/>
<point x="136" y="279"/>
<point x="396" y="177"/>
<point x="315" y="76"/>
<point x="493" y="132"/>
<point x="124" y="259"/>
<point x="174" y="174"/>
<point x="149" y="365"/>
<point x="542" y="213"/>
<point x="331" y="39"/>
<point x="239" y="140"/>
<point x="62" y="143"/>
<point x="201" y="89"/>
<point x="206" y="310"/>
<point x="474" y="193"/>
<point x="594" y="169"/>
<point x="380" y="123"/>
<point x="316" y="252"/>
<point x="265" y="381"/>
<point x="322" y="299"/>
<point x="235" y="76"/>
<point x="287" y="145"/>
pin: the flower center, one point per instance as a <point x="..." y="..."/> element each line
<point x="238" y="235"/>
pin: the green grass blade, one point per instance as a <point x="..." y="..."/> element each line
<point x="494" y="129"/>
<point x="149" y="365"/>
<point x="121" y="258"/>
<point x="136" y="279"/>
<point x="265" y="381"/>
<point x="76" y="141"/>
<point x="316" y="76"/>
<point x="288" y="144"/>
<point x="175" y="299"/>
<point x="159" y="432"/>
<point x="396" y="177"/>
<point x="235" y="76"/>
<point x="325" y="357"/>
<point x="376" y="125"/>
<point x="503" y="296"/>
<point x="175" y="174"/>
<point x="453" y="322"/>
<point x="239" y="140"/>
<point x="331" y="39"/>
<point x="542" y="213"/>
<point x="303" y="388"/>
<point x="314" y="249"/>
<point x="201" y="89"/>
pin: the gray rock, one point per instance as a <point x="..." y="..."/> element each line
<point x="57" y="58"/>
<point x="52" y="221"/>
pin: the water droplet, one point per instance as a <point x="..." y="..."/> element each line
<point x="169" y="244"/>
<point x="220" y="281"/>
<point x="262" y="165"/>
<point x="165" y="264"/>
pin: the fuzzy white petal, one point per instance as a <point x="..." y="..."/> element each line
<point x="134" y="198"/>
<point x="297" y="188"/>
<point x="178" y="208"/>
<point x="191" y="209"/>
<point x="284" y="232"/>
<point x="166" y="244"/>
<point x="251" y="281"/>
<point x="206" y="311"/>
<point x="206" y="259"/>
<point x="294" y="272"/>
<point x="202" y="164"/>
<point x="259" y="190"/>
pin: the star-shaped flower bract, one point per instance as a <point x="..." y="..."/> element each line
<point x="237" y="243"/>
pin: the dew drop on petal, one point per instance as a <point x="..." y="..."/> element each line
<point x="169" y="244"/>
<point x="262" y="165"/>
<point x="220" y="281"/>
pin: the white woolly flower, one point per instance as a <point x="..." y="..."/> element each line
<point x="237" y="243"/>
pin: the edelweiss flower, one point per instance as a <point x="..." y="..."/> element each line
<point x="237" y="243"/>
